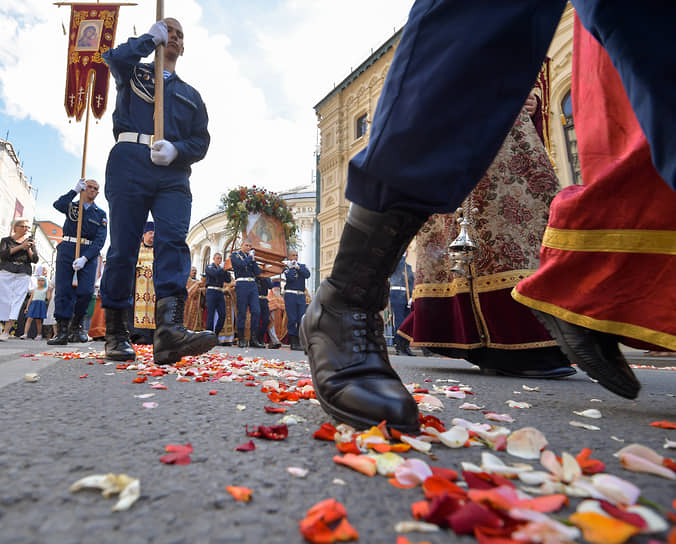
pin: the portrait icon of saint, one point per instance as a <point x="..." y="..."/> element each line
<point x="88" y="37"/>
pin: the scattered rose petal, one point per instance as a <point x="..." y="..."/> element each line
<point x="360" y="463"/>
<point x="275" y="410"/>
<point x="455" y="394"/>
<point x="470" y="406"/>
<point x="541" y="528"/>
<point x="386" y="463"/>
<point x="241" y="407"/>
<point x="526" y="388"/>
<point x="428" y="403"/>
<point x="637" y="463"/>
<point x="247" y="446"/>
<point x="150" y="405"/>
<point x="158" y="386"/>
<point x="526" y="443"/>
<point x="411" y="526"/>
<point x="669" y="443"/>
<point x="412" y="472"/>
<point x="504" y="418"/>
<point x="584" y="426"/>
<point x="664" y="424"/>
<point x="599" y="529"/>
<point x="326" y="432"/>
<point x="591" y="413"/>
<point x="144" y="396"/>
<point x="494" y="465"/>
<point x="298" y="472"/>
<point x="31" y="377"/>
<point x="515" y="404"/>
<point x="472" y="514"/>
<point x="416" y="444"/>
<point x="137" y="380"/>
<point x="239" y="493"/>
<point x="617" y="490"/>
<point x="338" y="481"/>
<point x="129" y="488"/>
<point x="213" y="392"/>
<point x="291" y="420"/>
<point x="272" y="432"/>
<point x="455" y="437"/>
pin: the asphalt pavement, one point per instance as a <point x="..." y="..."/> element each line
<point x="86" y="416"/>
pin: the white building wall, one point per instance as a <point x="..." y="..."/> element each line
<point x="13" y="186"/>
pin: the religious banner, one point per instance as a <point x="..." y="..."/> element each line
<point x="92" y="32"/>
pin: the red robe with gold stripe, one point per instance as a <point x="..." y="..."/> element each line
<point x="608" y="257"/>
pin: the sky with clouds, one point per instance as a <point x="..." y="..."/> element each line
<point x="260" y="66"/>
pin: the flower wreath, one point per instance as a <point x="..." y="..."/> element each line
<point x="240" y="202"/>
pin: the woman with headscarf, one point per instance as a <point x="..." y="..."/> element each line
<point x="17" y="252"/>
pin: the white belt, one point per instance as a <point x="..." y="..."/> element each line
<point x="214" y="287"/>
<point x="244" y="279"/>
<point x="294" y="292"/>
<point x="261" y="296"/>
<point x="136" y="138"/>
<point x="397" y="288"/>
<point x="73" y="239"/>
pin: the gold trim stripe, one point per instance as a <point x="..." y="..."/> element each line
<point x="612" y="327"/>
<point x="617" y="241"/>
<point x="482" y="284"/>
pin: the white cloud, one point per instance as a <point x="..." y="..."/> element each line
<point x="299" y="54"/>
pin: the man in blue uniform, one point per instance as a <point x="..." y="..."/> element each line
<point x="217" y="277"/>
<point x="401" y="287"/>
<point x="294" y="296"/>
<point x="70" y="303"/>
<point x="264" y="285"/>
<point x="460" y="75"/>
<point x="246" y="269"/>
<point x="142" y="177"/>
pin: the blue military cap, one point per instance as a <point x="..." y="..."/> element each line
<point x="148" y="227"/>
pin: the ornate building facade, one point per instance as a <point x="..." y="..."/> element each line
<point x="343" y="120"/>
<point x="207" y="236"/>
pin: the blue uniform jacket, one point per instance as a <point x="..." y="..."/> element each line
<point x="244" y="266"/>
<point x="94" y="224"/>
<point x="216" y="276"/>
<point x="185" y="115"/>
<point x="295" y="279"/>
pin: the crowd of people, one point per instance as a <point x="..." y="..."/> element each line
<point x="411" y="178"/>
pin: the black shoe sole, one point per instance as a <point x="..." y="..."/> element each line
<point x="196" y="347"/>
<point x="120" y="356"/>
<point x="552" y="374"/>
<point x="613" y="373"/>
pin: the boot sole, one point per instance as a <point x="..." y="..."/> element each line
<point x="171" y="356"/>
<point x="606" y="373"/>
<point x="340" y="415"/>
<point x="120" y="357"/>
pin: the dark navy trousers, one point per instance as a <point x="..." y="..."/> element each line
<point x="398" y="305"/>
<point x="462" y="72"/>
<point x="72" y="301"/>
<point x="215" y="304"/>
<point x="294" y="304"/>
<point x="247" y="297"/>
<point x="265" y="316"/>
<point x="134" y="187"/>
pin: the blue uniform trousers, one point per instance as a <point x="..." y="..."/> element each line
<point x="69" y="300"/>
<point x="215" y="304"/>
<point x="247" y="297"/>
<point x="294" y="305"/>
<point x="135" y="186"/>
<point x="398" y="305"/>
<point x="462" y="72"/>
<point x="265" y="316"/>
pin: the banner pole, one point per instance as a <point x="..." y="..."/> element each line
<point x="90" y="81"/>
<point x="159" y="81"/>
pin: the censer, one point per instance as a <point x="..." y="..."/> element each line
<point x="463" y="248"/>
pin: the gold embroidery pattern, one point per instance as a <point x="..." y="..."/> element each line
<point x="612" y="241"/>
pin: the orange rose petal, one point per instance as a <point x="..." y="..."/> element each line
<point x="348" y="447"/>
<point x="400" y="448"/>
<point x="500" y="498"/>
<point x="664" y="424"/>
<point x="587" y="464"/>
<point x="360" y="463"/>
<point x="325" y="432"/>
<point x="239" y="493"/>
<point x="434" y="486"/>
<point x="545" y="503"/>
<point x="329" y="510"/>
<point x="487" y="535"/>
<point x="345" y="532"/>
<point x="599" y="529"/>
<point x="380" y="448"/>
<point x="178" y="448"/>
<point x="420" y="509"/>
<point x="671" y="539"/>
<point x="666" y="462"/>
<point x="317" y="533"/>
<point x="445" y="473"/>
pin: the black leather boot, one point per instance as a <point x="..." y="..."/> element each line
<point x="61" y="337"/>
<point x="172" y="340"/>
<point x="255" y="342"/>
<point x="118" y="346"/>
<point x="595" y="352"/>
<point x="343" y="331"/>
<point x="294" y="343"/>
<point x="241" y="341"/>
<point x="76" y="332"/>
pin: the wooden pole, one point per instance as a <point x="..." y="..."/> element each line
<point x="90" y="84"/>
<point x="159" y="81"/>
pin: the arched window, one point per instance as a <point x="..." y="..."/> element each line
<point x="571" y="138"/>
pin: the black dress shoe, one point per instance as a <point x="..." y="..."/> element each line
<point x="595" y="352"/>
<point x="352" y="376"/>
<point x="275" y="345"/>
<point x="406" y="350"/>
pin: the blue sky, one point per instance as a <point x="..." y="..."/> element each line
<point x="260" y="66"/>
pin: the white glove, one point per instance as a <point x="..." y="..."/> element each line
<point x="159" y="33"/>
<point x="294" y="264"/>
<point x="410" y="301"/>
<point x="78" y="264"/>
<point x="80" y="186"/>
<point x="163" y="153"/>
<point x="252" y="253"/>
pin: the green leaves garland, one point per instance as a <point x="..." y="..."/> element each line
<point x="240" y="202"/>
